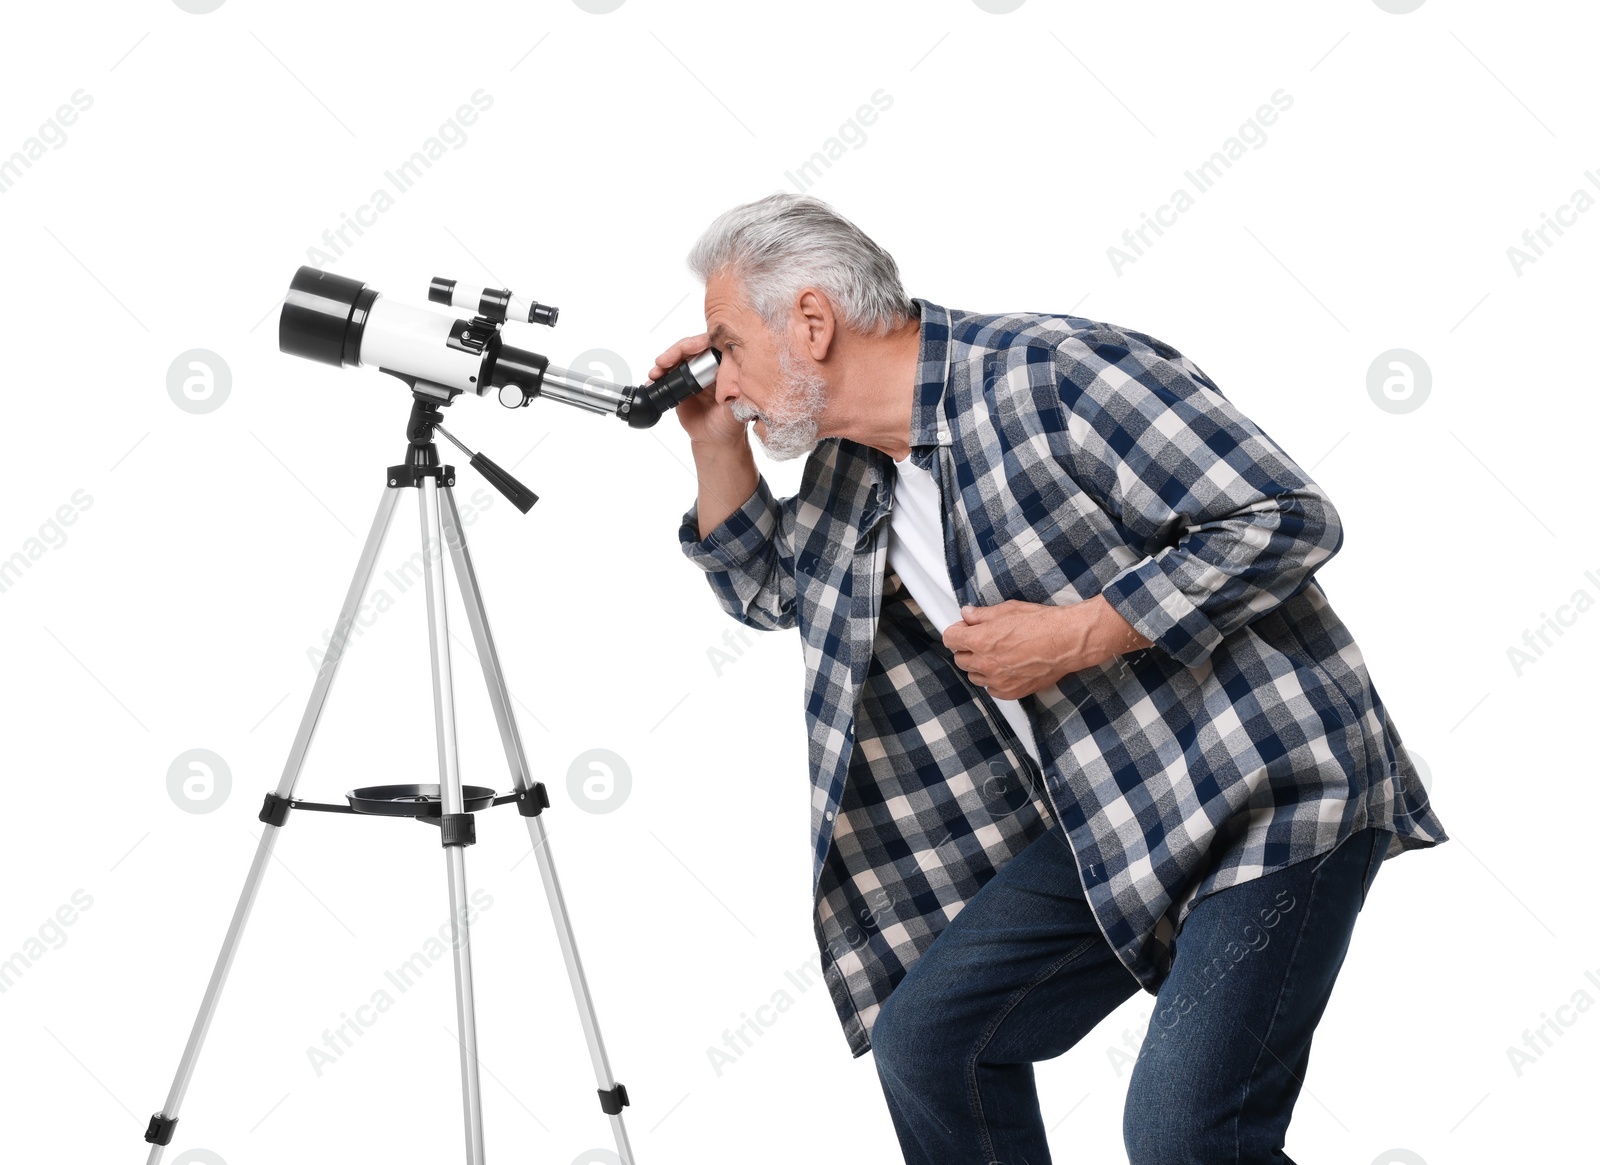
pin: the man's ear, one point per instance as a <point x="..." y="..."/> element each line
<point x="816" y="321"/>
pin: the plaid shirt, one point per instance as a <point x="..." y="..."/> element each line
<point x="1074" y="458"/>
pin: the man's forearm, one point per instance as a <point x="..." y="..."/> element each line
<point x="1091" y="633"/>
<point x="1109" y="634"/>
<point x="1016" y="648"/>
<point x="727" y="476"/>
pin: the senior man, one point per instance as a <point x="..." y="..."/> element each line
<point x="1081" y="720"/>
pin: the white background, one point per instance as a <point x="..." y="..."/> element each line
<point x="177" y="610"/>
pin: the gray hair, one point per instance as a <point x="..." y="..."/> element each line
<point x="781" y="243"/>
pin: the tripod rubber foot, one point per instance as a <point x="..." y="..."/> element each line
<point x="160" y="1130"/>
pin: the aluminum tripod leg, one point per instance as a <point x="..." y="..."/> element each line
<point x="269" y="833"/>
<point x="499" y="698"/>
<point x="444" y="723"/>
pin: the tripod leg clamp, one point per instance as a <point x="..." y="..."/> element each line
<point x="274" y="811"/>
<point x="612" y="1099"/>
<point x="533" y="800"/>
<point x="160" y="1130"/>
<point x="458" y="829"/>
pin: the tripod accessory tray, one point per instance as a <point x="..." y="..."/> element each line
<point x="412" y="800"/>
<point x="421" y="802"/>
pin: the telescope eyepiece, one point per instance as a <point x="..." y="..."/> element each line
<point x="646" y="404"/>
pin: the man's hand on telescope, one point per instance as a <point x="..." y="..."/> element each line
<point x="703" y="417"/>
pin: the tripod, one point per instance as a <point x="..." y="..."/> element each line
<point x="447" y="805"/>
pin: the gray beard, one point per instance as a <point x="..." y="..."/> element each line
<point x="791" y="422"/>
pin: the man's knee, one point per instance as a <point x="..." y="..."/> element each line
<point x="893" y="1042"/>
<point x="905" y="1037"/>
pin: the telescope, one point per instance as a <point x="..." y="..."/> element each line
<point x="340" y="321"/>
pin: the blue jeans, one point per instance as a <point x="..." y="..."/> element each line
<point x="1023" y="973"/>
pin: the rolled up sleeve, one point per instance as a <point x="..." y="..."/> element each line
<point x="747" y="560"/>
<point x="1229" y="526"/>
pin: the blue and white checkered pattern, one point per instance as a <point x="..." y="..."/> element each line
<point x="1075" y="458"/>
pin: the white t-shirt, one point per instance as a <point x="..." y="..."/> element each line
<point x="916" y="552"/>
